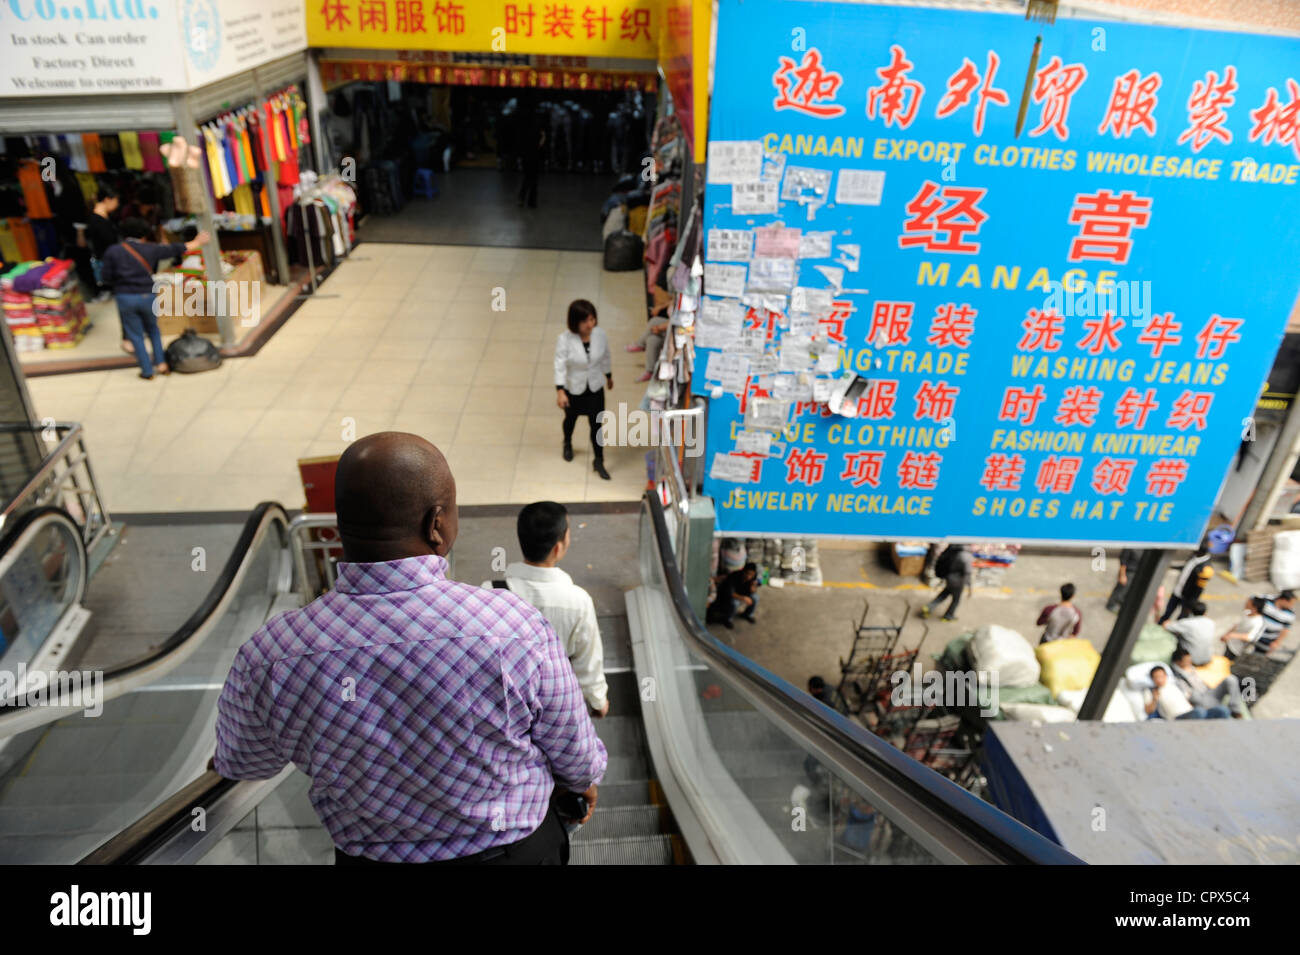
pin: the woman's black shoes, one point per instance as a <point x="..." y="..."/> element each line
<point x="568" y="451"/>
<point x="599" y="467"/>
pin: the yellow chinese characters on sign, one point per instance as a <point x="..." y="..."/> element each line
<point x="613" y="28"/>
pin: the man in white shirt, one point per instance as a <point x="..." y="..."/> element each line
<point x="1247" y="630"/>
<point x="1195" y="634"/>
<point x="1166" y="701"/>
<point x="543" y="529"/>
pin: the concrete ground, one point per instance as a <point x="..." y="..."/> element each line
<point x="784" y="641"/>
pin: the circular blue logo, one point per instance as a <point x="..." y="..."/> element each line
<point x="202" y="28"/>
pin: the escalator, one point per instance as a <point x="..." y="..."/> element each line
<point x="713" y="760"/>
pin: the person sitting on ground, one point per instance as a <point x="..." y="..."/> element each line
<point x="1249" y="628"/>
<point x="436" y="719"/>
<point x="736" y="590"/>
<point x="1278" y="614"/>
<point x="544" y="538"/>
<point x="1061" y="620"/>
<point x="823" y="692"/>
<point x="1208" y="702"/>
<point x="1195" y="634"/>
<point x="1165" y="701"/>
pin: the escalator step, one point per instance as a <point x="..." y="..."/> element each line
<point x="620" y="821"/>
<point x="632" y="850"/>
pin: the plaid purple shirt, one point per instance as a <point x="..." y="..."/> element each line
<point x="431" y="716"/>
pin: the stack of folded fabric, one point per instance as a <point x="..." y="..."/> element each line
<point x="20" y="315"/>
<point x="58" y="305"/>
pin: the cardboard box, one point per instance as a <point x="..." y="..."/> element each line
<point x="247" y="276"/>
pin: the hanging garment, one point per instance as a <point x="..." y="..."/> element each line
<point x="289" y="171"/>
<point x="243" y="200"/>
<point x="9" y="250"/>
<point x="131" y="155"/>
<point x="220" y="177"/>
<point x="94" y="156"/>
<point x="151" y="158"/>
<point x="76" y="154"/>
<point x="111" y="148"/>
<point x="89" y="187"/>
<point x="21" y="230"/>
<point x="46" y="234"/>
<point x="276" y="133"/>
<point x="29" y="177"/>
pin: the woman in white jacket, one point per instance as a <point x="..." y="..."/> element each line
<point x="583" y="371"/>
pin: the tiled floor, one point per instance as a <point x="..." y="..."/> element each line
<point x="400" y="337"/>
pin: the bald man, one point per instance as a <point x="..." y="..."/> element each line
<point x="435" y="719"/>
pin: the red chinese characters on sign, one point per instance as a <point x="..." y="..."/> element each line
<point x="410" y="16"/>
<point x="964" y="82"/>
<point x="558" y="21"/>
<point x="805" y="466"/>
<point x="1111" y="475"/>
<point x="919" y="472"/>
<point x="1057" y="475"/>
<point x="372" y="15"/>
<point x="519" y="19"/>
<point x="1207" y="109"/>
<point x="1054" y="87"/>
<point x="1079" y="406"/>
<point x="596" y="23"/>
<point x="335" y="15"/>
<point x="633" y="24"/>
<point x="1021" y="405"/>
<point x="891" y="324"/>
<point x="1043" y="329"/>
<point x="863" y="467"/>
<point x="1106" y="222"/>
<point x="1161" y="331"/>
<point x="1132" y="102"/>
<point x="878" y="403"/>
<point x="1191" y="408"/>
<point x="832" y="326"/>
<point x="952" y="325"/>
<point x="1101" y="334"/>
<point x="1132" y="408"/>
<point x="1216" y="335"/>
<point x="1278" y="122"/>
<point x="944" y="219"/>
<point x="1164" y="476"/>
<point x="1002" y="472"/>
<point x="808" y="87"/>
<point x="897" y="98"/>
<point x="935" y="401"/>
<point x="449" y="17"/>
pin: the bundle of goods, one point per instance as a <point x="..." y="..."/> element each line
<point x="43" y="305"/>
<point x="992" y="561"/>
<point x="800" y="562"/>
<point x="61" y="314"/>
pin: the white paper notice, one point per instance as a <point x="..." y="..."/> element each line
<point x="732" y="468"/>
<point x="751" y="342"/>
<point x="724" y="280"/>
<point x="754" y="442"/>
<point x="827" y="354"/>
<point x="860" y="187"/>
<point x="833" y="275"/>
<point x="770" y="301"/>
<point x="770" y="414"/>
<point x="731" y="245"/>
<point x="849" y="257"/>
<point x="718" y="325"/>
<point x="822" y="388"/>
<point x="764" y="364"/>
<point x="773" y="166"/>
<point x="803" y="323"/>
<point x="771" y="275"/>
<point x="815" y="245"/>
<point x="796" y="353"/>
<point x="804" y="184"/>
<point x="722" y="367"/>
<point x="810" y="299"/>
<point x="776" y="242"/>
<point x="735" y="161"/>
<point x="754" y="198"/>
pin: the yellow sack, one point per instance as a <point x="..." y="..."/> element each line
<point x="1067" y="664"/>
<point x="1214" y="671"/>
<point x="636" y="220"/>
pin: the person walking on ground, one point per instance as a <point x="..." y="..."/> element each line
<point x="1128" y="561"/>
<point x="1190" y="584"/>
<point x="128" y="270"/>
<point x="583" y="370"/>
<point x="954" y="567"/>
<point x="736" y="590"/>
<point x="435" y="719"/>
<point x="532" y="147"/>
<point x="544" y="537"/>
<point x="1061" y="620"/>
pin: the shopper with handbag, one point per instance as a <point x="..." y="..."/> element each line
<point x="128" y="270"/>
<point x="583" y="370"/>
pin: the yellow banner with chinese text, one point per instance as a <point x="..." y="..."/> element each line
<point x="609" y="28"/>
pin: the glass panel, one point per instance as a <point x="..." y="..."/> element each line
<point x="816" y="815"/>
<point x="68" y="786"/>
<point x="36" y="591"/>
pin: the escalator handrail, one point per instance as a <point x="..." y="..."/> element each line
<point x="121" y="678"/>
<point x="15" y="532"/>
<point x="155" y="828"/>
<point x="967" y="827"/>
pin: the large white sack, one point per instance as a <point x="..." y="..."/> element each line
<point x="1119" y="710"/>
<point x="1004" y="652"/>
<point x="1043" y="712"/>
<point x="1284" y="569"/>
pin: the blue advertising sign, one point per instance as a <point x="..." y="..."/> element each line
<point x="972" y="277"/>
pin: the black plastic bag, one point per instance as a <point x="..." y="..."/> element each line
<point x="190" y="353"/>
<point x="623" y="251"/>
